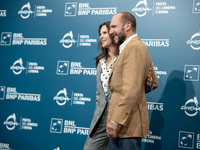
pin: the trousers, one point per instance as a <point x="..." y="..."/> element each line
<point x="125" y="143"/>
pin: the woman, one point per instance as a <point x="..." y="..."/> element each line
<point x="97" y="138"/>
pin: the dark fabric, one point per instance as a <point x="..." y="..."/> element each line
<point x="125" y="143"/>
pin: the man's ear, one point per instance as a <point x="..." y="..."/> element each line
<point x="128" y="26"/>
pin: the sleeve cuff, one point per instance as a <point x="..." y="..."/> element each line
<point x="115" y="123"/>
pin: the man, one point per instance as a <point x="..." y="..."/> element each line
<point x="127" y="120"/>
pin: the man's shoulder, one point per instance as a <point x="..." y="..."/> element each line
<point x="135" y="42"/>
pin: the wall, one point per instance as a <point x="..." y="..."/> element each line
<point x="47" y="71"/>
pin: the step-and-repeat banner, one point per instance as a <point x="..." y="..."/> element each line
<point x="48" y="73"/>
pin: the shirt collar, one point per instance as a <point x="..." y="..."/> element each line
<point x="122" y="46"/>
<point x="103" y="61"/>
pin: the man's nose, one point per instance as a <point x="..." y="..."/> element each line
<point x="111" y="31"/>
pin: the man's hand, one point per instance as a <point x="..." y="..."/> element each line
<point x="111" y="129"/>
<point x="149" y="77"/>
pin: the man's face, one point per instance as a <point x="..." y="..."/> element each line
<point x="117" y="30"/>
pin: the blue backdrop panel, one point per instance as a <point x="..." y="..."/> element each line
<point x="48" y="74"/>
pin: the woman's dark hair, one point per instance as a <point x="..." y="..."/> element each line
<point x="104" y="51"/>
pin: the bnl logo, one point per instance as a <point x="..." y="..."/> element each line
<point x="56" y="125"/>
<point x="62" y="67"/>
<point x="191" y="73"/>
<point x="198" y="141"/>
<point x="2" y="92"/>
<point x="196" y="6"/>
<point x="70" y="9"/>
<point x="186" y="139"/>
<point x="6" y="38"/>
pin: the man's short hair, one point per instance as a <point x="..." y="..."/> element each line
<point x="128" y="17"/>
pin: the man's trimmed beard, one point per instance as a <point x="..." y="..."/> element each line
<point x="121" y="37"/>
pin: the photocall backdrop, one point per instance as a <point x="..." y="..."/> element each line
<point x="48" y="74"/>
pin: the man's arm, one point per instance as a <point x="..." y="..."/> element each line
<point x="154" y="78"/>
<point x="149" y="82"/>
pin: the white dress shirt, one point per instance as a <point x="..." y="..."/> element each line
<point x="105" y="73"/>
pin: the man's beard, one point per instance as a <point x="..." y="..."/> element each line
<point x="121" y="37"/>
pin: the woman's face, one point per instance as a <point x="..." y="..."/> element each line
<point x="104" y="37"/>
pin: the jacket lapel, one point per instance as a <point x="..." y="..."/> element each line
<point x="99" y="84"/>
<point x="120" y="56"/>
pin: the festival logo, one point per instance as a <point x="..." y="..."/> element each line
<point x="17" y="67"/>
<point x="70" y="9"/>
<point x="159" y="73"/>
<point x="67" y="40"/>
<point x="6" y="38"/>
<point x="194" y="41"/>
<point x="77" y="98"/>
<point x="2" y="92"/>
<point x="39" y="11"/>
<point x="191" y="73"/>
<point x="25" y="11"/>
<point x="83" y="40"/>
<point x="61" y="97"/>
<point x="32" y="67"/>
<point x="151" y="138"/>
<point x="191" y="107"/>
<point x="186" y="139"/>
<point x="161" y="8"/>
<point x="196" y="6"/>
<point x="25" y="123"/>
<point x="2" y="13"/>
<point x="11" y="122"/>
<point x="141" y="8"/>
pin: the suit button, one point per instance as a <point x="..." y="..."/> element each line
<point x="126" y="115"/>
